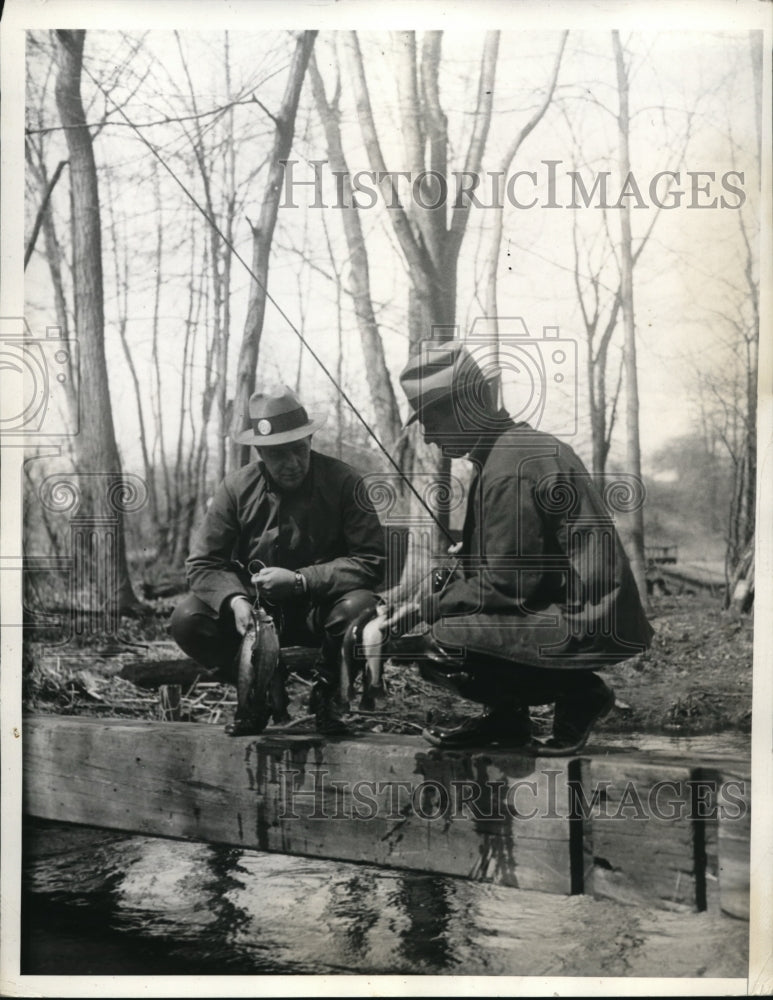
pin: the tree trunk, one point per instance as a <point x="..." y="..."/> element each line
<point x="95" y="446"/>
<point x="633" y="454"/>
<point x="387" y="414"/>
<point x="122" y="282"/>
<point x="262" y="235"/>
<point x="740" y="591"/>
<point x="157" y="392"/>
<point x="430" y="238"/>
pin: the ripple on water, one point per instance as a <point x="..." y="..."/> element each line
<point x="233" y="911"/>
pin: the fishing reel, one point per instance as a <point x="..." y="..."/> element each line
<point x="440" y="578"/>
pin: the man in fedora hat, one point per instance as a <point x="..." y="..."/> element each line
<point x="541" y="594"/>
<point x="293" y="525"/>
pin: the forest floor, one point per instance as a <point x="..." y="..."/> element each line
<point x="696" y="678"/>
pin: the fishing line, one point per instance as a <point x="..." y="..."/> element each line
<point x="274" y="303"/>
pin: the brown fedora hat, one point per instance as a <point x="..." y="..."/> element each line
<point x="278" y="417"/>
<point x="441" y="370"/>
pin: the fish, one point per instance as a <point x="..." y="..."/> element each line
<point x="260" y="685"/>
<point x="363" y="653"/>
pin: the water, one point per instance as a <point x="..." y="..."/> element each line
<point x="102" y="903"/>
<point x="693" y="749"/>
<point x="98" y="903"/>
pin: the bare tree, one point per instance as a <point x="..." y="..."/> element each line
<point x="122" y="277"/>
<point x="728" y="400"/>
<point x="633" y="450"/>
<point x="41" y="184"/>
<point x="186" y="475"/>
<point x="429" y="234"/>
<point x="262" y="235"/>
<point x="598" y="335"/>
<point x="387" y="414"/>
<point x="430" y="244"/>
<point x="96" y="451"/>
<point x="746" y="324"/>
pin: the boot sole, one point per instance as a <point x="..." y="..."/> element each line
<point x="565" y="750"/>
<point x="449" y="743"/>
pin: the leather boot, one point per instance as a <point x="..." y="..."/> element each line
<point x="575" y="715"/>
<point x="327" y="709"/>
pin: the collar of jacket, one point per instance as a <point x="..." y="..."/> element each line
<point x="483" y="447"/>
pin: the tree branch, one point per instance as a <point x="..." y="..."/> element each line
<point x="42" y="211"/>
<point x="416" y="255"/>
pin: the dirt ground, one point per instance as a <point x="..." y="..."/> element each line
<point x="696" y="678"/>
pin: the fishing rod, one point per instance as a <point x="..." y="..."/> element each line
<point x="275" y="304"/>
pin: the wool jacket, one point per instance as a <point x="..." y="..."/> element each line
<point x="326" y="530"/>
<point x="543" y="579"/>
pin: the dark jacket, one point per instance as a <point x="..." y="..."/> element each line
<point x="323" y="530"/>
<point x="544" y="580"/>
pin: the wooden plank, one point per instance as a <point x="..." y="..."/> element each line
<point x="388" y="800"/>
<point x="724" y="790"/>
<point x="642" y="833"/>
<point x="495" y="817"/>
<point x="733" y="842"/>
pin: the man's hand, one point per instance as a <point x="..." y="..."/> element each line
<point x="401" y="618"/>
<point x="242" y="609"/>
<point x="277" y="584"/>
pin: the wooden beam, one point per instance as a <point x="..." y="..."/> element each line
<point x="643" y="835"/>
<point x="389" y="800"/>
<point x="623" y="826"/>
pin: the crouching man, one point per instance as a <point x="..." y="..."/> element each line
<point x="541" y="594"/>
<point x="290" y="525"/>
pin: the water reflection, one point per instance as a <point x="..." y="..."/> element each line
<point x="145" y="905"/>
<point x="425" y="940"/>
<point x="246" y="911"/>
<point x="352" y="912"/>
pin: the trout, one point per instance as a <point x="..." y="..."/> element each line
<point x="260" y="684"/>
<point x="363" y="652"/>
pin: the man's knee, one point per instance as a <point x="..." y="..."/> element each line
<point x="346" y="609"/>
<point x="183" y="621"/>
<point x="191" y="623"/>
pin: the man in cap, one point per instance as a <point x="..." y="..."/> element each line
<point x="293" y="524"/>
<point x="541" y="594"/>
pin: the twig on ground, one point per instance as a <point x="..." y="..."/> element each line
<point x="387" y="718"/>
<point x="297" y="722"/>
